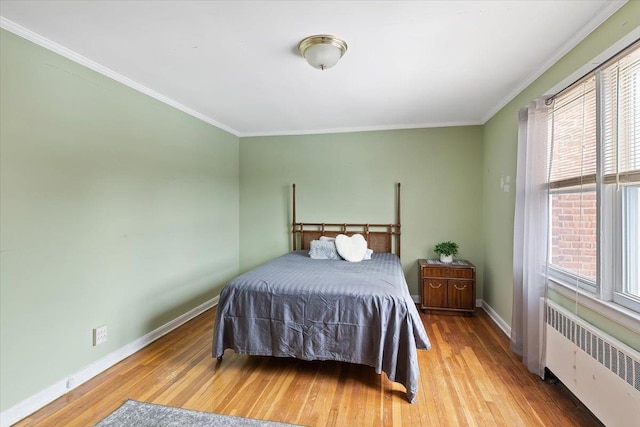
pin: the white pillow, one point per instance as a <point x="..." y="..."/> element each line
<point x="327" y="238"/>
<point x="353" y="248"/>
<point x="323" y="249"/>
<point x="367" y="255"/>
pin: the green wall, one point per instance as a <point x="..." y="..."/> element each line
<point x="351" y="177"/>
<point x="500" y="150"/>
<point x="116" y="209"/>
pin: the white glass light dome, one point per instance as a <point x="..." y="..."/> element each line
<point x="322" y="51"/>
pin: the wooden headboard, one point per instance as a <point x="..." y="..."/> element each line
<point x="380" y="237"/>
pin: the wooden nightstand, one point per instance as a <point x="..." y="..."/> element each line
<point x="447" y="288"/>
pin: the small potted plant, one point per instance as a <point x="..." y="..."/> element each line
<point x="446" y="250"/>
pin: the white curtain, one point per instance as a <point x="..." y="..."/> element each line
<point x="530" y="243"/>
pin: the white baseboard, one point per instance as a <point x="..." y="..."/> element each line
<point x="496" y="318"/>
<point x="51" y="393"/>
<point x="499" y="321"/>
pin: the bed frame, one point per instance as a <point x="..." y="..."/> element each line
<point x="379" y="237"/>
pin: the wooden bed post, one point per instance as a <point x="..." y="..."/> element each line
<point x="398" y="223"/>
<point x="293" y="226"/>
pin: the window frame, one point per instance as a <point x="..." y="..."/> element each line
<point x="558" y="274"/>
<point x="607" y="294"/>
<point x="620" y="294"/>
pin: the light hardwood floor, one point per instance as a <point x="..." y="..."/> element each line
<point x="468" y="378"/>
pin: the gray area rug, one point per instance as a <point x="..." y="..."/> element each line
<point x="140" y="414"/>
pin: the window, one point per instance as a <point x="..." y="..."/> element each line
<point x="631" y="286"/>
<point x="572" y="190"/>
<point x="594" y="183"/>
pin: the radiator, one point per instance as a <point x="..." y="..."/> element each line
<point x="598" y="369"/>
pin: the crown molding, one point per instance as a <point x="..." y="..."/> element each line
<point x="92" y="65"/>
<point x="360" y="129"/>
<point x="594" y="23"/>
<point x="631" y="37"/>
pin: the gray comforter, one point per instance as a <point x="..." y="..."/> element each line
<point x="310" y="309"/>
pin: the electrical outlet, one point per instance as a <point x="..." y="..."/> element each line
<point x="99" y="335"/>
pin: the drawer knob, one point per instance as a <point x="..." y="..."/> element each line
<point x="460" y="287"/>
<point x="434" y="285"/>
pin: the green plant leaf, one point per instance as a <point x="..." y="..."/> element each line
<point x="446" y="248"/>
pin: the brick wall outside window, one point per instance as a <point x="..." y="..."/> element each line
<point x="573" y="233"/>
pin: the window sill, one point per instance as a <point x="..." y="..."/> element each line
<point x="622" y="316"/>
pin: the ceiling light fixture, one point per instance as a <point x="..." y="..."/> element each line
<point x="322" y="51"/>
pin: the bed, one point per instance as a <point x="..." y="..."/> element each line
<point x="327" y="309"/>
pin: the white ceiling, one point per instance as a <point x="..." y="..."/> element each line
<point x="235" y="63"/>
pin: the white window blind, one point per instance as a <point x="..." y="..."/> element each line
<point x="621" y="119"/>
<point x="573" y="149"/>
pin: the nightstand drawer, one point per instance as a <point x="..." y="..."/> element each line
<point x="460" y="294"/>
<point x="435" y="291"/>
<point x="435" y="272"/>
<point x="454" y="273"/>
<point x="461" y="273"/>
